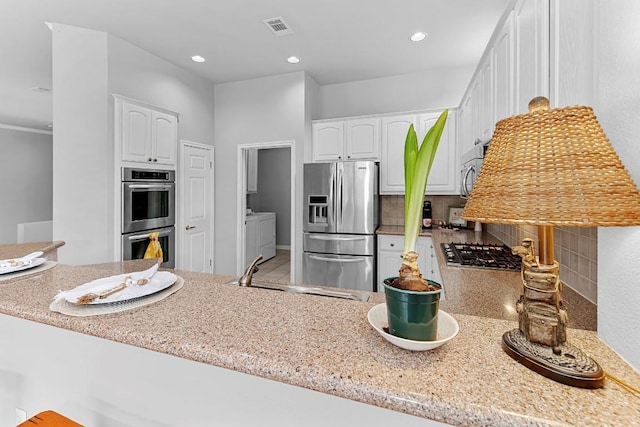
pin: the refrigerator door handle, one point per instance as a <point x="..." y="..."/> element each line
<point x="340" y="260"/>
<point x="333" y="238"/>
<point x="339" y="206"/>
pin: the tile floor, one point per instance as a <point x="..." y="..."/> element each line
<point x="277" y="268"/>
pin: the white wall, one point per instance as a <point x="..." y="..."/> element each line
<point x="26" y="170"/>
<point x="88" y="67"/>
<point x="438" y="88"/>
<point x="82" y="152"/>
<point x="260" y="110"/>
<point x="137" y="74"/>
<point x="617" y="106"/>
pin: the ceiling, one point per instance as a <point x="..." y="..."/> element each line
<point x="337" y="40"/>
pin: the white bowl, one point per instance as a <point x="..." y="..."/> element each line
<point x="447" y="329"/>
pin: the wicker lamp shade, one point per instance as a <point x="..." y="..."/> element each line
<point x="553" y="167"/>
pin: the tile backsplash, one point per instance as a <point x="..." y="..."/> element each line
<point x="576" y="248"/>
<point x="392" y="208"/>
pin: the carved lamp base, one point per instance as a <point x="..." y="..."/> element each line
<point x="571" y="366"/>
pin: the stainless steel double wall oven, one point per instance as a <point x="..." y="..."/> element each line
<point x="148" y="205"/>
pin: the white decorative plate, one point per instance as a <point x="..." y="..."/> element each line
<point x="160" y="280"/>
<point x="34" y="263"/>
<point x="447" y="329"/>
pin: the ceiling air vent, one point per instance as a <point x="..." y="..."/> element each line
<point x="278" y="26"/>
<point x="40" y="89"/>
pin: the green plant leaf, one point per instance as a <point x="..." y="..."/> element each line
<point x="410" y="157"/>
<point x="416" y="174"/>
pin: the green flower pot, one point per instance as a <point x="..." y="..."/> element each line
<point x="412" y="315"/>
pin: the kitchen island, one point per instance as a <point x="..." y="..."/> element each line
<point x="217" y="354"/>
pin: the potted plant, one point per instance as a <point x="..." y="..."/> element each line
<point x="412" y="301"/>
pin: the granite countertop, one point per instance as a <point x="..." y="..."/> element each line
<point x="327" y="345"/>
<point x="18" y="250"/>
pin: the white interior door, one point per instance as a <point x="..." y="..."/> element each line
<point x="197" y="202"/>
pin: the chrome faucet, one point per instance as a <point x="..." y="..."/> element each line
<point x="245" y="279"/>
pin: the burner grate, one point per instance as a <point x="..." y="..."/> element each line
<point x="481" y="255"/>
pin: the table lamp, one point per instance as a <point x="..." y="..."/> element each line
<point x="551" y="167"/>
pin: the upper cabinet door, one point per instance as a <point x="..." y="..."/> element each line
<point x="164" y="138"/>
<point x="444" y="171"/>
<point x="487" y="119"/>
<point x="503" y="68"/>
<point x="136" y="133"/>
<point x="252" y="170"/>
<point x="328" y="141"/>
<point x="394" y="133"/>
<point x="363" y="139"/>
<point x="531" y="62"/>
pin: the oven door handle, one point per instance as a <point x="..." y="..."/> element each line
<point x="149" y="186"/>
<point x="146" y="235"/>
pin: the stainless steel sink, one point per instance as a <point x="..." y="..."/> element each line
<point x="346" y="294"/>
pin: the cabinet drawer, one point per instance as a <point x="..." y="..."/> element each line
<point x="390" y="243"/>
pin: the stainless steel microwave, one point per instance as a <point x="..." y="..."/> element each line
<point x="471" y="164"/>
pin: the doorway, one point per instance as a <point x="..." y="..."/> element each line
<point x="265" y="187"/>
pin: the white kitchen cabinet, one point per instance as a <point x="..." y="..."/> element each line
<point x="164" y="138"/>
<point x="514" y="70"/>
<point x="362" y="139"/>
<point x="390" y="258"/>
<point x="356" y="139"/>
<point x="531" y="56"/>
<point x="465" y="135"/>
<point x="443" y="176"/>
<point x="444" y="171"/>
<point x="485" y="113"/>
<point x="394" y="134"/>
<point x="328" y="141"/>
<point x="148" y="135"/>
<point x="503" y="72"/>
<point x="260" y="236"/>
<point x="252" y="170"/>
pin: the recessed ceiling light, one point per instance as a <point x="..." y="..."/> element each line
<point x="293" y="60"/>
<point x="197" y="58"/>
<point x="419" y="36"/>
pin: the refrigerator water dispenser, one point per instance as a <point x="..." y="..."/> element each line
<point x="318" y="209"/>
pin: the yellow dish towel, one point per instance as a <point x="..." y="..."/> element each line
<point x="154" y="250"/>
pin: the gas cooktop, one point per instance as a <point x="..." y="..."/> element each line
<point x="481" y="255"/>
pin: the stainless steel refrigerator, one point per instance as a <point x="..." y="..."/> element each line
<point x="340" y="219"/>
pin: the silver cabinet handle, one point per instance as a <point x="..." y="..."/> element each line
<point x="190" y="227"/>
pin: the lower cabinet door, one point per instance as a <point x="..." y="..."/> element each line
<point x="388" y="266"/>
